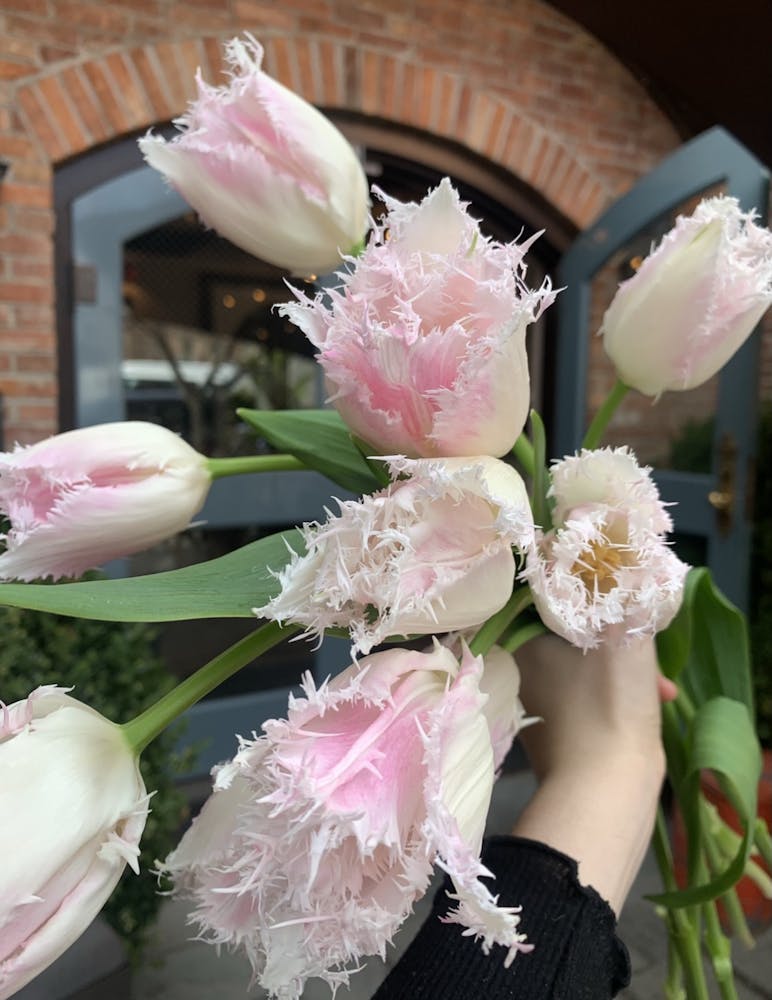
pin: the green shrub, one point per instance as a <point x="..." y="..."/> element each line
<point x="112" y="667"/>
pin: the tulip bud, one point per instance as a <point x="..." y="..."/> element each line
<point x="693" y="302"/>
<point x="78" y="499"/>
<point x="73" y="807"/>
<point x="266" y="169"/>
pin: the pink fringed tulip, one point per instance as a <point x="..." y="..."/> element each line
<point x="266" y="170"/>
<point x="605" y="571"/>
<point x="78" y="499"/>
<point x="423" y="344"/>
<point x="431" y="553"/>
<point x="693" y="302"/>
<point x="73" y="808"/>
<point x="321" y="834"/>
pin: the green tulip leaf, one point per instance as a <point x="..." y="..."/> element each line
<point x="721" y="739"/>
<point x="706" y="647"/>
<point x="227" y="587"/>
<point x="320" y="439"/>
<point x="540" y="501"/>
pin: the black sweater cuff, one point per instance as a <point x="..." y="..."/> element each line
<point x="576" y="955"/>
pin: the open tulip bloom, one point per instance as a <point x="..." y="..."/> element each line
<point x="321" y="833"/>
<point x="323" y="830"/>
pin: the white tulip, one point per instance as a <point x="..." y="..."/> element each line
<point x="693" y="302"/>
<point x="73" y="808"/>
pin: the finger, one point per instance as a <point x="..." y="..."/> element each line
<point x="667" y="690"/>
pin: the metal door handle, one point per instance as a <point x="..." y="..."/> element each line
<point x="722" y="498"/>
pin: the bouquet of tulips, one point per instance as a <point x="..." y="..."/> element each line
<point x="460" y="532"/>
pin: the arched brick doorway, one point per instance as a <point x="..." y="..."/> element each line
<point x="522" y="86"/>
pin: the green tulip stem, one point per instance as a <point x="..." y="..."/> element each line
<point x="681" y="931"/>
<point x="602" y="418"/>
<point x="712" y="828"/>
<point x="685" y="705"/>
<point x="244" y="464"/>
<point x="523" y="452"/>
<point x="519" y="635"/>
<point x="488" y="635"/>
<point x="143" y="729"/>
<point x="719" y="948"/>
<point x="762" y="841"/>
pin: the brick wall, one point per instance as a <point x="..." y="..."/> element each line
<point x="512" y="80"/>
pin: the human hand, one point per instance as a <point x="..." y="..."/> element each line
<point x="597" y="754"/>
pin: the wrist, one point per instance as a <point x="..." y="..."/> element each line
<point x="601" y="813"/>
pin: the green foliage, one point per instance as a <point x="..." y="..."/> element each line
<point x="114" y="669"/>
<point x="720" y="737"/>
<point x="705" y="647"/>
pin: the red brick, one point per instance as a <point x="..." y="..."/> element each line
<point x="88" y="105"/>
<point x="171" y="74"/>
<point x="62" y="111"/>
<point x="146" y="69"/>
<point x="445" y="108"/>
<point x="189" y="57"/>
<point x="33" y="107"/>
<point x="37" y="8"/>
<point x="101" y="17"/>
<point x="106" y="96"/>
<point x="35" y="172"/>
<point x="34" y="385"/>
<point x="305" y="61"/>
<point x="16" y="291"/>
<point x="33" y="362"/>
<point x="331" y="82"/>
<point x="371" y="82"/>
<point x="33" y="220"/>
<point x="137" y="105"/>
<point x="12" y="70"/>
<point x="57" y="53"/>
<point x="28" y="195"/>
<point x="26" y="269"/>
<point x="213" y="51"/>
<point x="259" y="16"/>
<point x="36" y="413"/>
<point x="15" y="145"/>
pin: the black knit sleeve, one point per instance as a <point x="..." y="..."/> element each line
<point x="576" y="955"/>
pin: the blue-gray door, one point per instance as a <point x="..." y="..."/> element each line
<point x="700" y="443"/>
